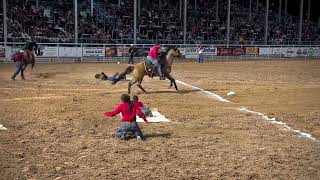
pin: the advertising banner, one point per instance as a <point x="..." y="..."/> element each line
<point x="93" y="51"/>
<point x="264" y="51"/>
<point x="207" y="51"/>
<point x="278" y="51"/>
<point x="123" y="51"/>
<point x="231" y="51"/>
<point x="47" y="51"/>
<point x="252" y="51"/>
<point x="314" y="51"/>
<point x="110" y="52"/>
<point x="302" y="52"/>
<point x="70" y="52"/>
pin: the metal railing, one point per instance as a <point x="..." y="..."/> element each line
<point x="86" y="52"/>
<point x="152" y="41"/>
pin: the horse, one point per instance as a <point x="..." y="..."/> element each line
<point x="140" y="70"/>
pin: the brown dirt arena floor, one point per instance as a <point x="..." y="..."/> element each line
<point x="56" y="129"/>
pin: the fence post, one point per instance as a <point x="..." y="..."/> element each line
<point x="241" y="54"/>
<point x="212" y="52"/>
<point x="104" y="50"/>
<point x="255" y="54"/>
<point x="269" y="50"/>
<point x="81" y="52"/>
<point x="58" y="53"/>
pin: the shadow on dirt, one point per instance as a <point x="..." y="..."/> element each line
<point x="173" y="92"/>
<point x="157" y="135"/>
<point x="47" y="75"/>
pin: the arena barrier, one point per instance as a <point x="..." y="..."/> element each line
<point x="68" y="52"/>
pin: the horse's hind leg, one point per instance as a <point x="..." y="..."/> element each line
<point x="139" y="85"/>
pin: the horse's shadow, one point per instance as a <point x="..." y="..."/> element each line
<point x="174" y="92"/>
<point x="157" y="135"/>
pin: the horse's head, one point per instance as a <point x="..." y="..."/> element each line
<point x="175" y="52"/>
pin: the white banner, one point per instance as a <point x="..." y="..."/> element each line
<point x="207" y="51"/>
<point x="93" y="51"/>
<point x="264" y="51"/>
<point x="301" y="51"/>
<point x="70" y="52"/>
<point x="277" y="51"/>
<point x="47" y="52"/>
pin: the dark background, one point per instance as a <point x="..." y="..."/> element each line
<point x="294" y="7"/>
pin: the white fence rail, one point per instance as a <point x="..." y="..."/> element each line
<point x="66" y="52"/>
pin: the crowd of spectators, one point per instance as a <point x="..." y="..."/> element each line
<point x="158" y="20"/>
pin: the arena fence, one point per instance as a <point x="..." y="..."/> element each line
<point x="70" y="52"/>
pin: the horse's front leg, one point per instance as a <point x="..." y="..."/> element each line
<point x="139" y="85"/>
<point x="173" y="81"/>
<point x="132" y="82"/>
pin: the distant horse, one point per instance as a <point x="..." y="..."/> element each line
<point x="142" y="69"/>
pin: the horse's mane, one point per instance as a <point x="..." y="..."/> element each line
<point x="170" y="48"/>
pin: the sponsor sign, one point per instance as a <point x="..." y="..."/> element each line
<point x="70" y="52"/>
<point x="47" y="51"/>
<point x="123" y="51"/>
<point x="290" y="52"/>
<point x="231" y="51"/>
<point x="264" y="51"/>
<point x="301" y="51"/>
<point x="92" y="51"/>
<point x="277" y="51"/>
<point x="252" y="51"/>
<point x="207" y="51"/>
<point x="110" y="52"/>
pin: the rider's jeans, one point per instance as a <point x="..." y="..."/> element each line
<point x="156" y="63"/>
<point x="19" y="68"/>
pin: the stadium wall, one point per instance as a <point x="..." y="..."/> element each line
<point x="65" y="52"/>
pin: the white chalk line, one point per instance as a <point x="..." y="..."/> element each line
<point x="2" y="128"/>
<point x="208" y="93"/>
<point x="243" y="109"/>
<point x="35" y="98"/>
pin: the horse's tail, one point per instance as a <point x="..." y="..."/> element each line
<point x="123" y="74"/>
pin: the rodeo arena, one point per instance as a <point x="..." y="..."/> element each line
<point x="159" y="89"/>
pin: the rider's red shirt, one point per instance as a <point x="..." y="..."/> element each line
<point x="154" y="52"/>
<point x="127" y="114"/>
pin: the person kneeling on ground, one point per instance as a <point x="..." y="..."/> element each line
<point x="146" y="111"/>
<point x="129" y="127"/>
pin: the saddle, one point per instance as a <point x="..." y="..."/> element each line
<point x="152" y="71"/>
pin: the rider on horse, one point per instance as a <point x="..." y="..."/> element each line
<point x="28" y="49"/>
<point x="23" y="58"/>
<point x="153" y="58"/>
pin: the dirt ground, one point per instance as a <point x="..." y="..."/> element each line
<point x="56" y="129"/>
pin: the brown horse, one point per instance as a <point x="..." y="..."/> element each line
<point x="139" y="70"/>
<point x="29" y="58"/>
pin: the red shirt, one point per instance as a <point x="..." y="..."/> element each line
<point x="138" y="104"/>
<point x="154" y="52"/>
<point x="127" y="114"/>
